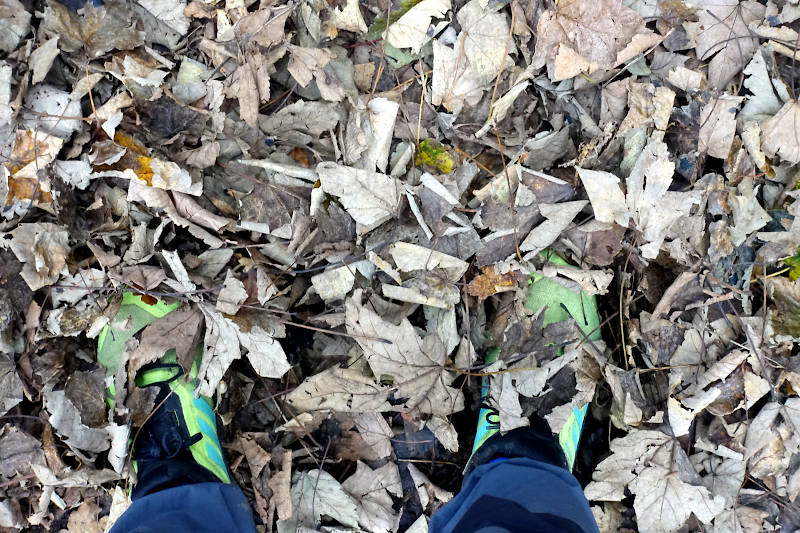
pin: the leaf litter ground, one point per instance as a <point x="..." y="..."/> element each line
<point x="348" y="200"/>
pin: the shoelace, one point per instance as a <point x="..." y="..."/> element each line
<point x="492" y="416"/>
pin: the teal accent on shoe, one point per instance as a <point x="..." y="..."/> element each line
<point x="213" y="448"/>
<point x="488" y="424"/>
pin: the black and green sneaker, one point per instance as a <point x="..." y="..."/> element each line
<point x="181" y="434"/>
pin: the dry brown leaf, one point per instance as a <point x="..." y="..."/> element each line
<point x="177" y="331"/>
<point x="85" y="519"/>
<point x="373" y="489"/>
<point x="42" y="59"/>
<point x="416" y="365"/>
<point x="588" y="34"/>
<point x="722" y="32"/>
<point x="489" y="282"/>
<point x="317" y="493"/>
<point x="781" y="133"/>
<point x="43" y="247"/>
<point x="369" y="197"/>
<point x="718" y="125"/>
<point x="97" y="30"/>
<point x="66" y="420"/>
<point x="280" y="484"/>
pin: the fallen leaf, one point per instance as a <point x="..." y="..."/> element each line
<point x="411" y="29"/>
<point x="317" y="493"/>
<point x="780" y="137"/>
<point x="334" y="284"/>
<point x="718" y="125"/>
<point x="722" y="32"/>
<point x="43" y="248"/>
<point x="96" y="30"/>
<point x="463" y="72"/>
<point x="18" y="451"/>
<point x="350" y="18"/>
<point x="433" y="153"/>
<point x="748" y="215"/>
<point x="264" y="351"/>
<point x="77" y="174"/>
<point x="558" y="217"/>
<point x="369" y="197"/>
<point x="306" y="63"/>
<point x="231" y="296"/>
<point x="280" y="484"/>
<point x="66" y="420"/>
<point x="85" y="519"/>
<point x="169" y="12"/>
<point x="376" y="432"/>
<point x="768" y="90"/>
<point x="42" y="59"/>
<point x="373" y="490"/>
<point x="415" y="365"/>
<point x="10" y="384"/>
<point x="86" y="391"/>
<point x="430" y="496"/>
<point x="590" y="35"/>
<point x="653" y="208"/>
<point x="177" y="331"/>
<point x="413" y="258"/>
<point x="490" y="282"/>
<point x="221" y="348"/>
<point x="222" y="341"/>
<point x="486" y="41"/>
<point x="664" y="502"/>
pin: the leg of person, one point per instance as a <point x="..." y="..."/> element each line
<point x="199" y="508"/>
<point x="521" y="481"/>
<point x="517" y="482"/>
<point x="182" y="480"/>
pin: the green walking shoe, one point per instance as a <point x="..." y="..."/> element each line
<point x="183" y="424"/>
<point x="561" y="304"/>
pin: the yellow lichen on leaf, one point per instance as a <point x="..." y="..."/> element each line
<point x="433" y="153"/>
<point x="135" y="158"/>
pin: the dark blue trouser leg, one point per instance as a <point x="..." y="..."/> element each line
<point x="517" y="482"/>
<point x="516" y="495"/>
<point x="198" y="508"/>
